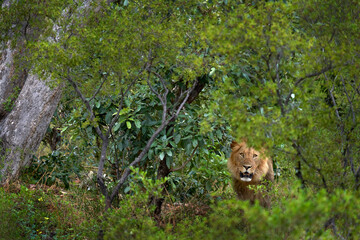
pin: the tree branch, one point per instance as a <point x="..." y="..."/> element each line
<point x="278" y="93"/>
<point x="186" y="162"/>
<point x="98" y="90"/>
<point x="300" y="80"/>
<point x="123" y="94"/>
<point x="334" y="103"/>
<point x="87" y="104"/>
<point x="349" y="100"/>
<point x="165" y="122"/>
<point x="318" y="170"/>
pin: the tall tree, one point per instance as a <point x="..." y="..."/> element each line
<point x="120" y="47"/>
<point x="292" y="74"/>
<point x="27" y="103"/>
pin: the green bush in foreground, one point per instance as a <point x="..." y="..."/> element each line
<point x="36" y="214"/>
<point x="300" y="214"/>
<point x="304" y="216"/>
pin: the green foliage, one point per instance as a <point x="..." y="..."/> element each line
<point x="302" y="216"/>
<point x="201" y="179"/>
<point x="8" y="220"/>
<point x="114" y="44"/>
<point x="9" y="103"/>
<point x="55" y="168"/>
<point x="133" y="220"/>
<point x="15" y="21"/>
<point x="287" y="82"/>
<point x="35" y="214"/>
<point x="282" y="74"/>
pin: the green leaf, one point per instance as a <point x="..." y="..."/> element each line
<point x="127" y="189"/>
<point x="150" y="153"/>
<point x="137" y="123"/>
<point x="169" y="162"/>
<point x="124" y="111"/>
<point x="212" y="71"/>
<point x="120" y="146"/>
<point x="173" y="144"/>
<point x="126" y="2"/>
<point x="128" y="124"/>
<point x="218" y="134"/>
<point x="177" y="138"/>
<point x="188" y="148"/>
<point x="116" y="127"/>
<point x="195" y="143"/>
<point x="108" y="117"/>
<point x="162" y="155"/>
<point x="169" y="153"/>
<point x="208" y="186"/>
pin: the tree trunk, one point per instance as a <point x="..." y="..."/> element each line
<point x="163" y="170"/>
<point x="27" y="103"/>
<point x="27" y="106"/>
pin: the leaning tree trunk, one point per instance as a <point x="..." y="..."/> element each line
<point x="27" y="105"/>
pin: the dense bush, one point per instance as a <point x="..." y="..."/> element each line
<point x="302" y="216"/>
<point x="296" y="214"/>
<point x="56" y="167"/>
<point x="46" y="214"/>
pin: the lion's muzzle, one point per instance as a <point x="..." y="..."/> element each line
<point x="246" y="176"/>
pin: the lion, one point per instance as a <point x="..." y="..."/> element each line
<point x="250" y="169"/>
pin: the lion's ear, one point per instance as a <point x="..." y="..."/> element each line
<point x="233" y="145"/>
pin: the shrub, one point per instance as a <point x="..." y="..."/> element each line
<point x="36" y="214"/>
<point x="304" y="216"/>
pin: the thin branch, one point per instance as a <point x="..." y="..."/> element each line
<point x="278" y="93"/>
<point x="324" y="70"/>
<point x="152" y="89"/>
<point x="335" y="105"/>
<point x="331" y="223"/>
<point x="138" y="159"/>
<point x="348" y="150"/>
<point x="349" y="100"/>
<point x="186" y="162"/>
<point x="318" y="170"/>
<point x="358" y="89"/>
<point x="104" y="138"/>
<point x="117" y="158"/>
<point x="163" y="98"/>
<point x="123" y="94"/>
<point x="357" y="175"/>
<point x="161" y="79"/>
<point x="164" y="123"/>
<point x="98" y="90"/>
<point x="87" y="104"/>
<point x="300" y="80"/>
<point x="100" y="179"/>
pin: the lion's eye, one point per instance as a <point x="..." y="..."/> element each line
<point x="242" y="155"/>
<point x="255" y="155"/>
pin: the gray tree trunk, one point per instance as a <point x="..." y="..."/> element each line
<point x="27" y="105"/>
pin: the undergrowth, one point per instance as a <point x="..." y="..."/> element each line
<point x="42" y="212"/>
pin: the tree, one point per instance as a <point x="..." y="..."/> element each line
<point x="291" y="73"/>
<point x="26" y="103"/>
<point x="142" y="43"/>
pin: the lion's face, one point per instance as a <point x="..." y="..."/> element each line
<point x="244" y="162"/>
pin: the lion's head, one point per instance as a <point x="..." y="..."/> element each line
<point x="246" y="164"/>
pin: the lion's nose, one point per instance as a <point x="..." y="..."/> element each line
<point x="247" y="167"/>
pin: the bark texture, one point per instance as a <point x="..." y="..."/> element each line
<point x="27" y="105"/>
